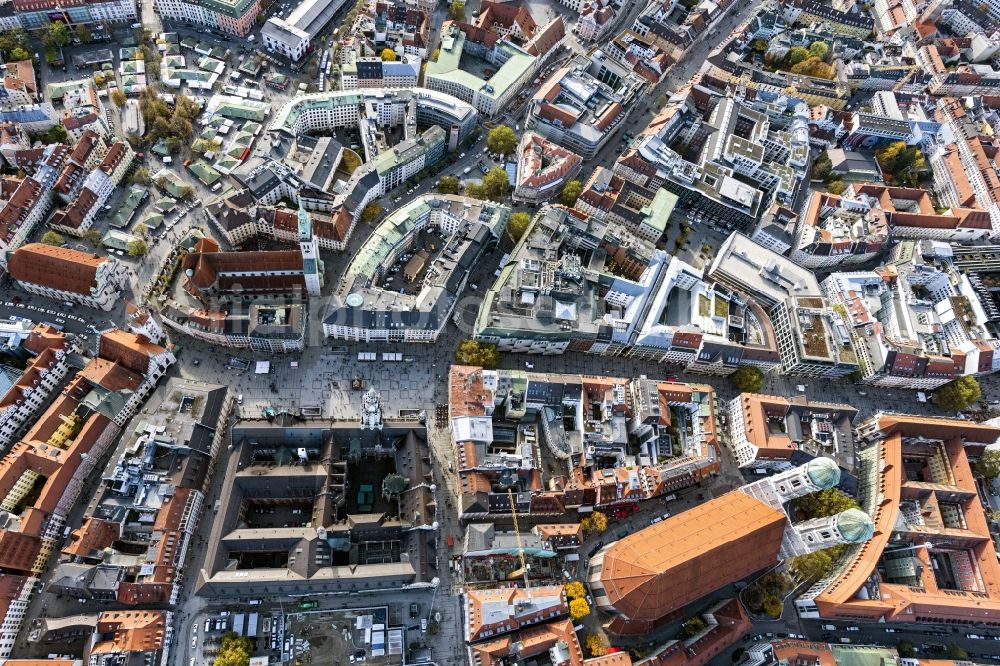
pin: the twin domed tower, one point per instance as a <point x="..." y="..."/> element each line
<point x="850" y="526"/>
<point x="646" y="577"/>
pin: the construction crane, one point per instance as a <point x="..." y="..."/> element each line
<point x="520" y="546"/>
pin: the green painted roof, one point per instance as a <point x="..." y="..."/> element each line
<point x="657" y="213"/>
<point x="131" y="201"/>
<point x="241" y="111"/>
<point x="449" y="63"/>
<point x="204" y="172"/>
<point x="117" y="240"/>
<point x="153" y="221"/>
<point x="171" y="181"/>
<point x="233" y="8"/>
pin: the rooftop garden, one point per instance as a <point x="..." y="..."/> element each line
<point x="813" y="338"/>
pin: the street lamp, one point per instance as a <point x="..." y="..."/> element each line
<point x="927" y="544"/>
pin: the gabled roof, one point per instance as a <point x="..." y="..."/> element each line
<point x="659" y="569"/>
<point x="55" y="267"/>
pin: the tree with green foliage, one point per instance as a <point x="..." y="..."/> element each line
<point x="388" y="55"/>
<point x="517" y="225"/>
<point x="901" y="164"/>
<point x="823" y="503"/>
<point x="233" y="651"/>
<point x="571" y="192"/>
<point x="55" y="35"/>
<point x="753" y="595"/>
<point x="151" y="56"/>
<point x="501" y="140"/>
<point x="906" y="650"/>
<point x="93" y="237"/>
<point x="692" y="627"/>
<point x="137" y="247"/>
<point x="772" y="605"/>
<point x="475" y="191"/>
<point x="837" y="187"/>
<point x="56" y="134"/>
<point x="456" y="11"/>
<point x="953" y="651"/>
<point x="53" y="238"/>
<point x="813" y="66"/>
<point x="83" y="33"/>
<point x="758" y="45"/>
<point x="795" y="55"/>
<point x="595" y="523"/>
<point x="819" y="49"/>
<point x="813" y="566"/>
<point x="18" y="53"/>
<point x="747" y="379"/>
<point x="448" y="185"/>
<point x="175" y="126"/>
<point x="496" y="184"/>
<point x="957" y="394"/>
<point x="473" y="352"/>
<point x="371" y="213"/>
<point x="988" y="464"/>
<point x="15" y="38"/>
<point x="118" y="98"/>
<point x="822" y="166"/>
<point x="140" y="176"/>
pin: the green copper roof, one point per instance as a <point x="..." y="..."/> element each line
<point x="823" y="472"/>
<point x="855" y="526"/>
<point x="233" y="8"/>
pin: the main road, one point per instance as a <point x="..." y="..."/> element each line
<point x="679" y="73"/>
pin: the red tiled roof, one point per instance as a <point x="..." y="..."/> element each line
<point x="25" y="71"/>
<point x="213" y="270"/>
<point x="55" y="267"/>
<point x="73" y="216"/>
<point x="132" y="350"/>
<point x="506" y="15"/>
<point x="114" y="157"/>
<point x="12" y="216"/>
<point x="88" y="140"/>
<point x="547" y="37"/>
